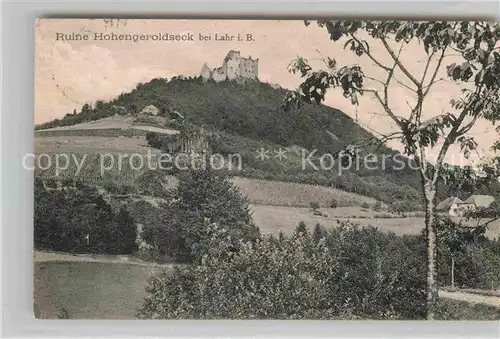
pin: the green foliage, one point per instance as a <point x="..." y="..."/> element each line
<point x="151" y="184"/>
<point x="475" y="256"/>
<point x="301" y="228"/>
<point x="78" y="220"/>
<point x="115" y="188"/>
<point x="334" y="203"/>
<point x="200" y="196"/>
<point x="63" y="314"/>
<point x="295" y="277"/>
<point x="319" y="233"/>
<point x="460" y="310"/>
<point x="314" y="205"/>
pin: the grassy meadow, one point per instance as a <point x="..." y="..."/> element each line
<point x="273" y="219"/>
<point x="89" y="290"/>
<point x="276" y="193"/>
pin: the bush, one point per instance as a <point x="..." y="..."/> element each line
<point x="462" y="310"/>
<point x="377" y="207"/>
<point x="201" y="195"/>
<point x="80" y="221"/>
<point x="475" y="256"/>
<point x="350" y="273"/>
<point x="314" y="205"/>
<point x="334" y="203"/>
<point x="151" y="184"/>
<point x="365" y="205"/>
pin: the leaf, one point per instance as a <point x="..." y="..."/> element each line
<point x="349" y="41"/>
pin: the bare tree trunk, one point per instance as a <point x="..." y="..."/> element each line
<point x="432" y="287"/>
<point x="452" y="271"/>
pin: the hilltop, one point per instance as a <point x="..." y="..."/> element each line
<point x="251" y="110"/>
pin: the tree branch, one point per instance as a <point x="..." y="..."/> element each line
<point x="387" y="109"/>
<point x="467" y="127"/>
<point x="367" y="52"/>
<point x="431" y="82"/>
<point x="451" y="137"/>
<point x="427" y="67"/>
<point x="400" y="65"/>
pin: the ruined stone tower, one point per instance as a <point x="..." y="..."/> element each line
<point x="234" y="67"/>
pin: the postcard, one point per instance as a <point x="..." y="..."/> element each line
<point x="266" y="169"/>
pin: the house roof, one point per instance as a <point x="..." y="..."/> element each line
<point x="480" y="200"/>
<point x="446" y="204"/>
<point x="150" y="109"/>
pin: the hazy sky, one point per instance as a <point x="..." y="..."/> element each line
<point x="71" y="73"/>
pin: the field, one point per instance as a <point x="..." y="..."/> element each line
<point x="89" y="290"/>
<point x="92" y="144"/>
<point x="273" y="219"/>
<point x="100" y="290"/>
<point x="292" y="194"/>
<point x="111" y="124"/>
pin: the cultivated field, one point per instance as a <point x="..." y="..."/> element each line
<point x="92" y="144"/>
<point x="292" y="194"/>
<point x="115" y="122"/>
<point x="273" y="219"/>
<point x="122" y="122"/>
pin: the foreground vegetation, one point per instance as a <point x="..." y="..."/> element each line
<point x="230" y="270"/>
<point x="78" y="220"/>
<point x="342" y="273"/>
<point x="88" y="290"/>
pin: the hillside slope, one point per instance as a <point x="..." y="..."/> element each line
<point x="250" y="115"/>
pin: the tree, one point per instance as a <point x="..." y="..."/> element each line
<point x="314" y="205"/>
<point x="346" y="274"/>
<point x="454" y="239"/>
<point x="202" y="197"/>
<point x="473" y="43"/>
<point x="334" y="203"/>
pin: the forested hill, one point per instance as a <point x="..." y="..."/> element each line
<point x="252" y="112"/>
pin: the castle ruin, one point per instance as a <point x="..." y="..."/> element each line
<point x="234" y="67"/>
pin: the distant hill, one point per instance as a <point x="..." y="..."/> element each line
<point x="251" y="110"/>
<point x="249" y="115"/>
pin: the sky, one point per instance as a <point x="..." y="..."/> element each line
<point x="69" y="73"/>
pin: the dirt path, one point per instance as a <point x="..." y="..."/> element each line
<point x="471" y="298"/>
<point x="41" y="256"/>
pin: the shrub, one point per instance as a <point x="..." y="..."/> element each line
<point x="80" y="221"/>
<point x="350" y="273"/>
<point x="314" y="205"/>
<point x="365" y="205"/>
<point x="319" y="233"/>
<point x="151" y="184"/>
<point x="51" y="183"/>
<point x="334" y="203"/>
<point x="378" y="206"/>
<point x="475" y="257"/>
<point x="462" y="310"/>
<point x="202" y="195"/>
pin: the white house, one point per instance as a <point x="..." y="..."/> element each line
<point x="453" y="206"/>
<point x="150" y="110"/>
